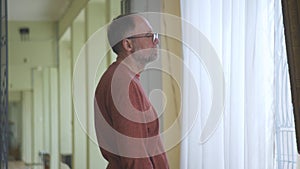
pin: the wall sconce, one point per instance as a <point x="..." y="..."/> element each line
<point x="24" y="33"/>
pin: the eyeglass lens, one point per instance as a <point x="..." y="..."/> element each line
<point x="155" y="36"/>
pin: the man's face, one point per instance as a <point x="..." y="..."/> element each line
<point x="145" y="48"/>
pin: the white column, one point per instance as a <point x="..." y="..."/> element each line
<point x="95" y="19"/>
<point x="27" y="136"/>
<point x="38" y="121"/>
<point x="54" y="116"/>
<point x="46" y="102"/>
<point x="65" y="106"/>
<point x="79" y="104"/>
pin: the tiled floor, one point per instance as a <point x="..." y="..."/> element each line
<point x="16" y="165"/>
<point x="21" y="165"/>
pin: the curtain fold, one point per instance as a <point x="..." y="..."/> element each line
<point x="245" y="35"/>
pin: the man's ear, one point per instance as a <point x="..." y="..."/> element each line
<point x="127" y="45"/>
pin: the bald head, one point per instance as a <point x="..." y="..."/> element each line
<point x="125" y="26"/>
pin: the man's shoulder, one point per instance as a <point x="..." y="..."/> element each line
<point x="113" y="70"/>
<point x="116" y="72"/>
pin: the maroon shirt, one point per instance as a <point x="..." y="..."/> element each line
<point x="126" y="123"/>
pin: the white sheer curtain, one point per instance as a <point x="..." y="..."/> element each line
<point x="243" y="34"/>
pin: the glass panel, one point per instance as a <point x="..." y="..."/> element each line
<point x="3" y="8"/>
<point x="3" y="87"/>
<point x="3" y="27"/>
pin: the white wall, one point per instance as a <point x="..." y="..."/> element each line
<point x="39" y="50"/>
<point x="26" y="62"/>
<point x="145" y="5"/>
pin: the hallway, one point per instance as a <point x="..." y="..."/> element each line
<point x="43" y="53"/>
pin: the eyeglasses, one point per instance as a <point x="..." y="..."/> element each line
<point x="153" y="35"/>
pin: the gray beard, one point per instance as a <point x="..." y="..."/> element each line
<point x="145" y="60"/>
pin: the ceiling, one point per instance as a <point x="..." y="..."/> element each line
<point x="36" y="10"/>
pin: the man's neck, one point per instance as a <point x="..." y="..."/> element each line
<point x="131" y="63"/>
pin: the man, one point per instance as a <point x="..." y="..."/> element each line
<point x="126" y="123"/>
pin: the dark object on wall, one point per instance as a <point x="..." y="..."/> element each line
<point x="45" y="157"/>
<point x="67" y="159"/>
<point x="24" y="33"/>
<point x="291" y="19"/>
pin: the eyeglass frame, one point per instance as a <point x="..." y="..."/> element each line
<point x="154" y="36"/>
